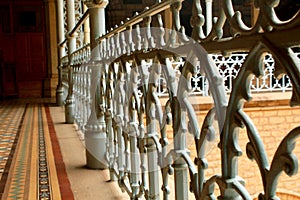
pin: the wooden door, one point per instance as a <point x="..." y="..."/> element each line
<point x="22" y="41"/>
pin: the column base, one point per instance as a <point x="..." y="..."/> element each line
<point x="69" y="111"/>
<point x="60" y="96"/>
<point x="94" y="163"/>
<point x="95" y="144"/>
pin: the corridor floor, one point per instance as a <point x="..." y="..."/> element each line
<point x="41" y="157"/>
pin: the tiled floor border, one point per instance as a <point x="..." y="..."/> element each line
<point x="47" y="177"/>
<point x="64" y="183"/>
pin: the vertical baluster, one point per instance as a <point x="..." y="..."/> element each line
<point x="179" y="112"/>
<point x="142" y="148"/>
<point x="121" y="84"/>
<point x="165" y="167"/>
<point x="117" y="45"/>
<point x="113" y="50"/>
<point x="140" y="136"/>
<point x="108" y="50"/>
<point x="170" y="77"/>
<point x="88" y="89"/>
<point x="176" y="26"/>
<point x="137" y="38"/>
<point x="144" y="76"/>
<point x="123" y="44"/>
<point x="76" y="88"/>
<point x="134" y="154"/>
<point x="79" y="95"/>
<point x="119" y="122"/>
<point x="128" y="39"/>
<point x="197" y="21"/>
<point x="159" y="33"/>
<point x="207" y="131"/>
<point x="79" y="91"/>
<point x="135" y="133"/>
<point x="153" y="116"/>
<point x="86" y="93"/>
<point x="109" y="125"/>
<point x="148" y="39"/>
<point x="209" y="20"/>
<point x="82" y="95"/>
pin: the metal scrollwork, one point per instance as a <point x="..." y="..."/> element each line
<point x="148" y="75"/>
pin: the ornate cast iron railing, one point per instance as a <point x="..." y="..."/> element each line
<point x="147" y="137"/>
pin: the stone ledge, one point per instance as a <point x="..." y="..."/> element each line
<point x="270" y="99"/>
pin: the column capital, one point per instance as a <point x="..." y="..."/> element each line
<point x="96" y="3"/>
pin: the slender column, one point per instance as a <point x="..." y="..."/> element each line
<point x="61" y="50"/>
<point x="208" y="15"/>
<point x="69" y="106"/>
<point x="95" y="134"/>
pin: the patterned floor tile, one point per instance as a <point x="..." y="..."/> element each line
<point x="10" y="118"/>
<point x="33" y="172"/>
<point x="27" y="160"/>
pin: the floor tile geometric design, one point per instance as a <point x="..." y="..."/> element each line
<point x="32" y="173"/>
<point x="11" y="116"/>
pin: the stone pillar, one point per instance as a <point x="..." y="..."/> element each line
<point x="96" y="19"/>
<point x="95" y="134"/>
<point x="61" y="50"/>
<point x="69" y="106"/>
<point x="209" y="19"/>
<point x="49" y="83"/>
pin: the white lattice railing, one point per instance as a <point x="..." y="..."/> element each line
<point x="228" y="68"/>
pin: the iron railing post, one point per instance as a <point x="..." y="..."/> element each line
<point x="69" y="103"/>
<point x="95" y="134"/>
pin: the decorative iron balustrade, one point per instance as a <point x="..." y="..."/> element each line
<point x="146" y="139"/>
<point x="228" y="66"/>
<point x="82" y="83"/>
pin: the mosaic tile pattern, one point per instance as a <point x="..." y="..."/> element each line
<point x="33" y="173"/>
<point x="10" y="118"/>
<point x="44" y="187"/>
<point x="18" y="181"/>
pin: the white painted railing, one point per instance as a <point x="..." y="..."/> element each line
<point x="228" y="67"/>
<point x="144" y="141"/>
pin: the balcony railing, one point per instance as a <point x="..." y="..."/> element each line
<point x="119" y="85"/>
